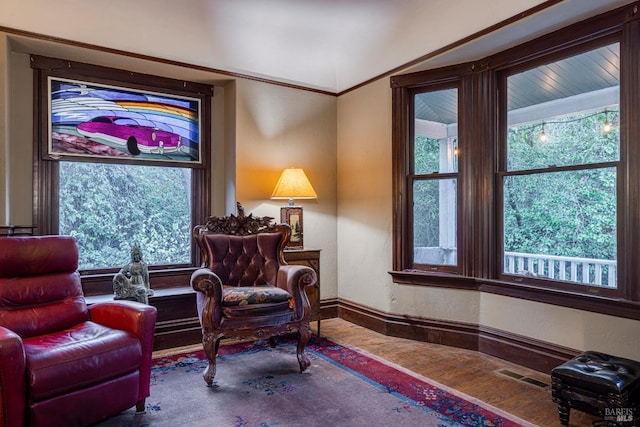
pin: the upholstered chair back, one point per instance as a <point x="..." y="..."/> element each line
<point x="40" y="289"/>
<point x="250" y="260"/>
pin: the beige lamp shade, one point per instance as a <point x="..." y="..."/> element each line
<point x="293" y="184"/>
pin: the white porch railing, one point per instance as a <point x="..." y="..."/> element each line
<point x="589" y="271"/>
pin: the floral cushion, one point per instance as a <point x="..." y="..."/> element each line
<point x="245" y="295"/>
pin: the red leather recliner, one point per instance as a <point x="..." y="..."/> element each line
<point x="63" y="363"/>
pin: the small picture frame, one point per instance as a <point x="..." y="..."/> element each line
<point x="292" y="215"/>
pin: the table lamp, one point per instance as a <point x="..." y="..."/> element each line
<point x="293" y="184"/>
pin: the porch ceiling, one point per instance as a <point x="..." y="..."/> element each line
<point x="558" y="88"/>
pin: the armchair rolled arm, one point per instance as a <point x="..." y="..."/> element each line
<point x="12" y="378"/>
<point x="136" y="318"/>
<point x="205" y="280"/>
<point x="295" y="278"/>
<point x="209" y="285"/>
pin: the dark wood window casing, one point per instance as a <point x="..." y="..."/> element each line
<point x="46" y="171"/>
<point x="482" y="141"/>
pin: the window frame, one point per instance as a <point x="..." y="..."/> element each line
<point x="46" y="170"/>
<point x="412" y="177"/>
<point x="502" y="170"/>
<point x="483" y="145"/>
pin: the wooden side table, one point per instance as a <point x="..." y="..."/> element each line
<point x="310" y="258"/>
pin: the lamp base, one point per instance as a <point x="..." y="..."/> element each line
<point x="292" y="215"/>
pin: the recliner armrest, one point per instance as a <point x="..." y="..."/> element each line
<point x="295" y="278"/>
<point x="130" y="316"/>
<point x="136" y="318"/>
<point x="12" y="378"/>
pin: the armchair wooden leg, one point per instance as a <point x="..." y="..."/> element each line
<point x="217" y="346"/>
<point x="210" y="345"/>
<point x="210" y="372"/>
<point x="140" y="407"/>
<point x="305" y="334"/>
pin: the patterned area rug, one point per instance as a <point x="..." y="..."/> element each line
<point x="256" y="385"/>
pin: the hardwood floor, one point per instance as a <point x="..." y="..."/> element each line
<point x="520" y="391"/>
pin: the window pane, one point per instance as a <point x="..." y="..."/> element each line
<point x="566" y="112"/>
<point x="109" y="207"/>
<point x="572" y="140"/>
<point x="436" y="130"/>
<point x="434" y="222"/>
<point x="562" y="225"/>
<point x="435" y="155"/>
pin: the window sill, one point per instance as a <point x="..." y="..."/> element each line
<point x="170" y="278"/>
<point x="157" y="294"/>
<point x="592" y="303"/>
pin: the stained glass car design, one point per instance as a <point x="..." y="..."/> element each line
<point x="127" y="132"/>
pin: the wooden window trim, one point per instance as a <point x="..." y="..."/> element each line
<point x="478" y="169"/>
<point x="46" y="172"/>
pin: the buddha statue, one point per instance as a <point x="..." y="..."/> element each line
<point x="132" y="281"/>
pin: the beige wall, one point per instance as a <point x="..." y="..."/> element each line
<point x="279" y="127"/>
<point x="16" y="142"/>
<point x="365" y="216"/>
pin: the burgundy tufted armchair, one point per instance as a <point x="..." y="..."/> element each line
<point x="63" y="363"/>
<point x="245" y="288"/>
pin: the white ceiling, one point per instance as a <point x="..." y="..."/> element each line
<point x="337" y="44"/>
<point x="329" y="45"/>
